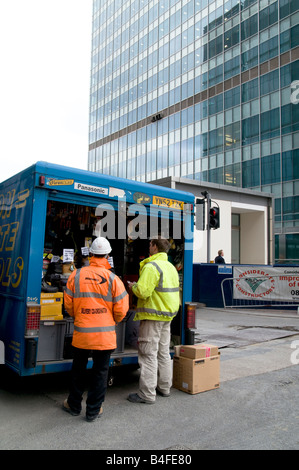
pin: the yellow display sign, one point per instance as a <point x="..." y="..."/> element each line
<point x="55" y="182"/>
<point x="170" y="203"/>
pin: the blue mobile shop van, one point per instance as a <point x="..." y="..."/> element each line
<point x="49" y="215"/>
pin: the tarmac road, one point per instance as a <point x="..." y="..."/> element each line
<point x="255" y="407"/>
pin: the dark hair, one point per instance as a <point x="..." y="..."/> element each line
<point x="162" y="244"/>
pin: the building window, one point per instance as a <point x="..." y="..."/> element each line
<point x="271" y="169"/>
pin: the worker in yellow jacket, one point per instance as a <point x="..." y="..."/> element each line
<point x="97" y="299"/>
<point x="158" y="302"/>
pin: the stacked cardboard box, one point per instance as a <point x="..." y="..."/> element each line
<point x="51" y="306"/>
<point x="196" y="368"/>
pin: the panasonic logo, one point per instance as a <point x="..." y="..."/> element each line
<point x="91" y="189"/>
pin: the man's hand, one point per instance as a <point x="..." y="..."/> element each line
<point x="130" y="284"/>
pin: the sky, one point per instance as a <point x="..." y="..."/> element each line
<point x="45" y="56"/>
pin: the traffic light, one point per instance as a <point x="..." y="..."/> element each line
<point x="200" y="214"/>
<point x="214" y="220"/>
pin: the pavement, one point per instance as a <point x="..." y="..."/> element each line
<point x="265" y="338"/>
<point x="255" y="407"/>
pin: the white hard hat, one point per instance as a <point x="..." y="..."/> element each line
<point x="100" y="246"/>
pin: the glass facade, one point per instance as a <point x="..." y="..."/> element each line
<point x="200" y="90"/>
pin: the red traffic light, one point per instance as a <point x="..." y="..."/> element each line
<point x="214" y="220"/>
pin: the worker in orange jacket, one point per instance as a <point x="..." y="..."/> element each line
<point x="97" y="299"/>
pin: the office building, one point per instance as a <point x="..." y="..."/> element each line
<point x="203" y="90"/>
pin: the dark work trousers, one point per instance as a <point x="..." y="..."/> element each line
<point x="99" y="377"/>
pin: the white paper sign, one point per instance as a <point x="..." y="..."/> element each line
<point x="68" y="255"/>
<point x="84" y="250"/>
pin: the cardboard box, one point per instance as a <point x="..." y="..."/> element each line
<point x="196" y="375"/>
<point x="51" y="306"/>
<point x="198" y="351"/>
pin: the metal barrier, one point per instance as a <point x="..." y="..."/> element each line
<point x="258" y="291"/>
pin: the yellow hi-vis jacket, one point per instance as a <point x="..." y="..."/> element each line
<point x="157" y="289"/>
<point x="97" y="300"/>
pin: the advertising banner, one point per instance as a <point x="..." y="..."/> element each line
<point x="266" y="283"/>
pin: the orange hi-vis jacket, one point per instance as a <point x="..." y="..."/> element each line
<point x="97" y="299"/>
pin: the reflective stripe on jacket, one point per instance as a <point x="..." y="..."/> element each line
<point x="97" y="300"/>
<point x="157" y="289"/>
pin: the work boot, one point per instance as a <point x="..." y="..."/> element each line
<point x="96" y="416"/>
<point x="66" y="407"/>
<point x="135" y="398"/>
<point x="162" y="394"/>
<point x="47" y="288"/>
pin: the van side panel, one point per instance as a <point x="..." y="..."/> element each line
<point x="35" y="262"/>
<point x="16" y="196"/>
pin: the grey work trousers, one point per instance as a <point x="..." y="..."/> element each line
<point x="154" y="358"/>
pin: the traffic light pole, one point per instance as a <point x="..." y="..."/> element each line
<point x="208" y="197"/>
<point x="213" y="218"/>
